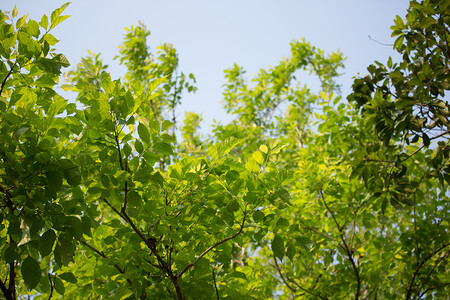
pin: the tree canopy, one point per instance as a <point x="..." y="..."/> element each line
<point x="305" y="194"/>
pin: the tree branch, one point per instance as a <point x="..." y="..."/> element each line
<point x="438" y="261"/>
<point x="419" y="266"/>
<point x="305" y="290"/>
<point x="102" y="254"/>
<point x="421" y="147"/>
<point x="215" y="285"/>
<point x="51" y="286"/>
<point x="6" y="78"/>
<point x="12" y="280"/>
<point x="5" y="291"/>
<point x="282" y="277"/>
<point x="345" y="247"/>
<point x="214" y="245"/>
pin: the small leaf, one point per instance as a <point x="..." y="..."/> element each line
<point x="11" y="254"/>
<point x="166" y="125"/>
<point x="163" y="148"/>
<point x="233" y="206"/>
<point x="55" y="16"/>
<point x="46" y="242"/>
<point x="263" y="149"/>
<point x="138" y="146"/>
<point x="282" y="222"/>
<point x="44" y="22"/>
<point x="278" y="246"/>
<point x="69" y="277"/>
<point x="14" y="12"/>
<point x="73" y="176"/>
<point x="59" y="286"/>
<point x="258" y="157"/>
<point x="31" y="272"/>
<point x="258" y="216"/>
<point x="143" y="133"/>
<point x="290" y="251"/>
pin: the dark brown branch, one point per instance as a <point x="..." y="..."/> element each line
<point x="213" y="246"/>
<point x="114" y="209"/>
<point x="102" y="254"/>
<point x="12" y="280"/>
<point x="282" y="277"/>
<point x="345" y="247"/>
<point x="419" y="266"/>
<point x="5" y="290"/>
<point x="438" y="261"/>
<point x="317" y="231"/>
<point x="51" y="286"/>
<point x="306" y="291"/>
<point x="421" y="147"/>
<point x="6" y="78"/>
<point x="151" y="244"/>
<point x="215" y="285"/>
<point x="119" y="151"/>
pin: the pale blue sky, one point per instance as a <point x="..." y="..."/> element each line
<point x="212" y="35"/>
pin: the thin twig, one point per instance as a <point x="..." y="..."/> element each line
<point x="317" y="231"/>
<point x="438" y="261"/>
<point x="345" y="247"/>
<point x="384" y="44"/>
<point x="6" y="77"/>
<point x="282" y="277"/>
<point x="215" y="285"/>
<point x="102" y="254"/>
<point x="214" y="245"/>
<point x="419" y="266"/>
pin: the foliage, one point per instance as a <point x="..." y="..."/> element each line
<point x="303" y="195"/>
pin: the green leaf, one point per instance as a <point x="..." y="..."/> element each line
<point x="163" y="148"/>
<point x="21" y="131"/>
<point x="138" y="146"/>
<point x="258" y="157"/>
<point x="73" y="176"/>
<point x="44" y="22"/>
<point x="14" y="12"/>
<point x="233" y="206"/>
<point x="54" y="180"/>
<point x="154" y="83"/>
<point x="282" y="222"/>
<point x="166" y="125"/>
<point x="31" y="272"/>
<point x="263" y="149"/>
<point x="258" y="216"/>
<point x="46" y="242"/>
<point x="59" y="286"/>
<point x="56" y="18"/>
<point x="21" y="21"/>
<point x="290" y="251"/>
<point x="143" y="133"/>
<point x="33" y="28"/>
<point x="69" y="277"/>
<point x="278" y="246"/>
<point x="11" y="254"/>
